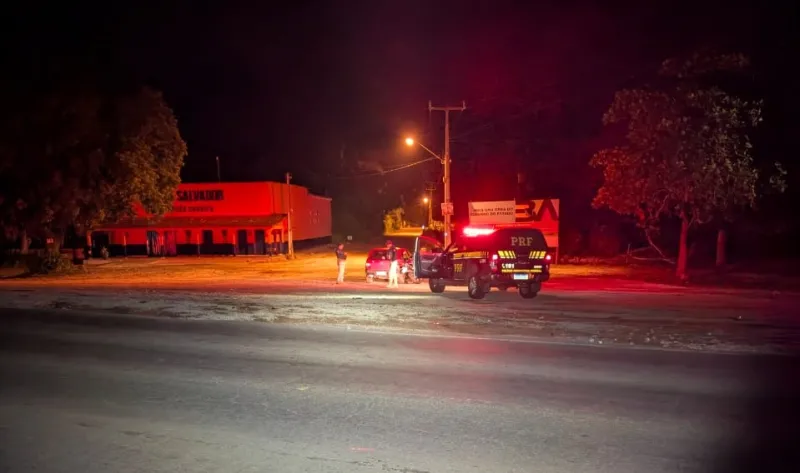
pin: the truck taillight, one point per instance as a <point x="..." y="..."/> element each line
<point x="493" y="262"/>
<point x="548" y="258"/>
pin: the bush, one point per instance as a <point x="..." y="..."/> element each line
<point x="49" y="262"/>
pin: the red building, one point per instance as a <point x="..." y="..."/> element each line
<point x="222" y="218"/>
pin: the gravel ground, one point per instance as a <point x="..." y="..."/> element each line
<point x="582" y="304"/>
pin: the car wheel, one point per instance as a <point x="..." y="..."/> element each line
<point x="527" y="291"/>
<point x="436" y="285"/>
<point x="475" y="288"/>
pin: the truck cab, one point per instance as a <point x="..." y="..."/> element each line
<point x="485" y="257"/>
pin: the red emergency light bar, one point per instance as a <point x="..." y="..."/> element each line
<point x="477" y="231"/>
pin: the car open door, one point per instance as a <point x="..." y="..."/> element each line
<point x="426" y="250"/>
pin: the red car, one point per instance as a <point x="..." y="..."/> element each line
<point x="377" y="265"/>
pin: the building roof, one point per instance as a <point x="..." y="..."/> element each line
<point x="194" y="222"/>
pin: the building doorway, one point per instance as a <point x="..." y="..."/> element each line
<point x="170" y="243"/>
<point x="154" y="246"/>
<point x="260" y="248"/>
<point x="100" y="240"/>
<point x="241" y="242"/>
<point x="207" y="247"/>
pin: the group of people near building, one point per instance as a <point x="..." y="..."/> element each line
<point x="391" y="255"/>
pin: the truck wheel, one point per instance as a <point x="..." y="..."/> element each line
<point x="436" y="285"/>
<point x="528" y="291"/>
<point x="475" y="288"/>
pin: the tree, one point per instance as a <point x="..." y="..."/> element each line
<point x="394" y="220"/>
<point x="687" y="152"/>
<point x="79" y="158"/>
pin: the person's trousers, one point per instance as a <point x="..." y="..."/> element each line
<point x="393" y="274"/>
<point x="341" y="265"/>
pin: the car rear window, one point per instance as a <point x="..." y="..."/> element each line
<point x="377" y="254"/>
<point x="381" y="254"/>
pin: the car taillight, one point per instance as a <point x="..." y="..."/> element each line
<point x="493" y="262"/>
<point x="368" y="265"/>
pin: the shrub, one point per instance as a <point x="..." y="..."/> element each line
<point x="49" y="262"/>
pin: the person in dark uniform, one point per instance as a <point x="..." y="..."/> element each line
<point x="341" y="257"/>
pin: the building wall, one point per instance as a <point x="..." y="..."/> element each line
<point x="312" y="219"/>
<point x="230" y="202"/>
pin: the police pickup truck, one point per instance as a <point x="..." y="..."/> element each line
<point x="485" y="257"/>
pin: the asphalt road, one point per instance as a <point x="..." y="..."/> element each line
<point x="104" y="393"/>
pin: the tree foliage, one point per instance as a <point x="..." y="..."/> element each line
<point x="81" y="157"/>
<point x="687" y="152"/>
<point x="394" y="220"/>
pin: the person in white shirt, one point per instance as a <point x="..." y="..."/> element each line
<point x="341" y="257"/>
<point x="391" y="253"/>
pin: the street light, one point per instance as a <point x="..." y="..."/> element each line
<point x="446" y="205"/>
<point x="427" y="201"/>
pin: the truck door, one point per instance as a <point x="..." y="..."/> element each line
<point x="426" y="251"/>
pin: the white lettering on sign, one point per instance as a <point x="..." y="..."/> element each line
<point x="492" y="212"/>
<point x="521" y="241"/>
<point x="185" y="209"/>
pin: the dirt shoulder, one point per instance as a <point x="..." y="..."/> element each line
<point x="584" y="304"/>
<point x="320" y="265"/>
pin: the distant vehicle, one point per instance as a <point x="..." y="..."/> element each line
<point x="485" y="257"/>
<point x="377" y="264"/>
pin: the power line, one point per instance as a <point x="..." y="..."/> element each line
<point x="380" y="173"/>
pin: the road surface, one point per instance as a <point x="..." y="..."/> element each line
<point x="97" y="392"/>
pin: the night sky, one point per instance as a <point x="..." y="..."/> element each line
<point x="292" y="86"/>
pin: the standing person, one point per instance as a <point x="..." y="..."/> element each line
<point x="341" y="257"/>
<point x="391" y="253"/>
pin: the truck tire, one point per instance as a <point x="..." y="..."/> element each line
<point x="436" y="285"/>
<point x="529" y="291"/>
<point x="476" y="289"/>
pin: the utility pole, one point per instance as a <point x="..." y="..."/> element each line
<point x="289" y="215"/>
<point x="447" y="205"/>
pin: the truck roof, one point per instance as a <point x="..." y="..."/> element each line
<point x="499" y="238"/>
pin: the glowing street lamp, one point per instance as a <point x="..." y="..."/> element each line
<point x="446" y="205"/>
<point x="427" y="201"/>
